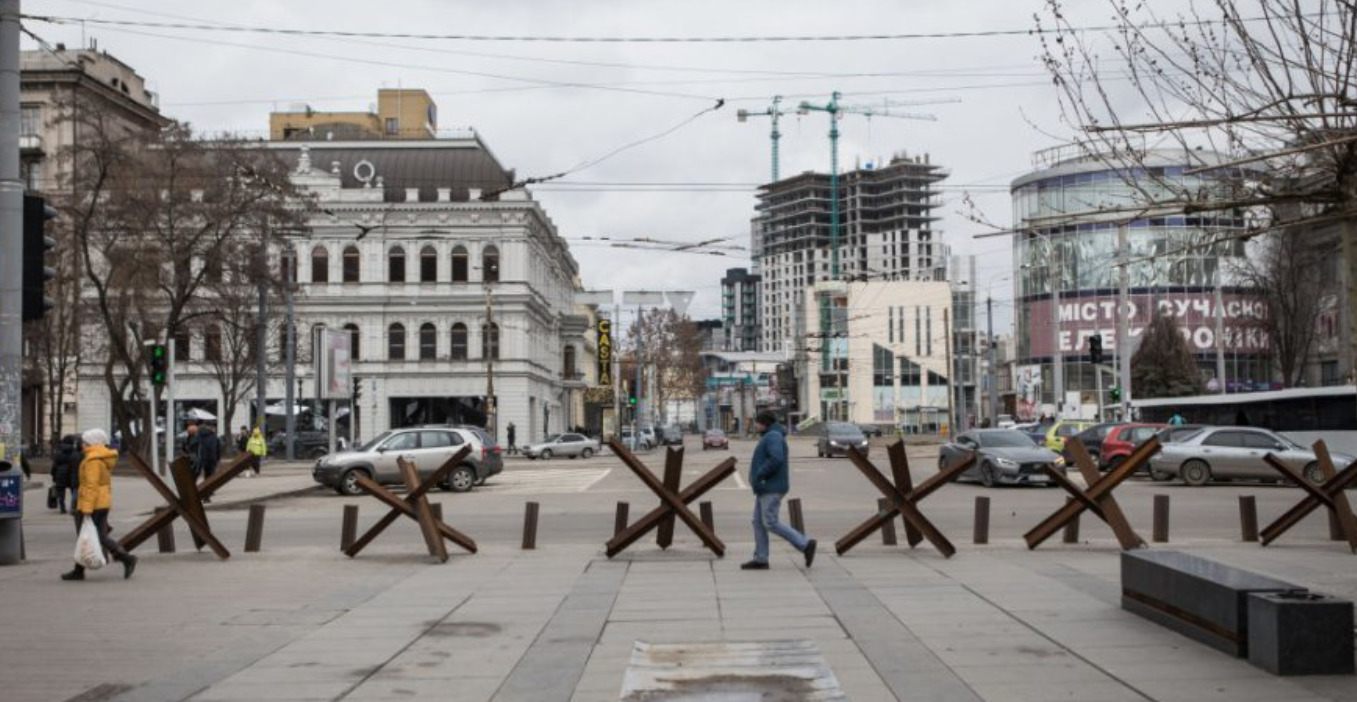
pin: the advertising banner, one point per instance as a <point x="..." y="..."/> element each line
<point x="334" y="379"/>
<point x="605" y="353"/>
<point x="1195" y="314"/>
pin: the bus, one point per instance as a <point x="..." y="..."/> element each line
<point x="1304" y="415"/>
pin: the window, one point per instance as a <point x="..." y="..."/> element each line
<point x="30" y="120"/>
<point x="395" y="265"/>
<point x="459" y="264"/>
<point x="459" y="342"/>
<point x="393" y="125"/>
<point x="910" y="373"/>
<point x="568" y="363"/>
<point x="490" y="341"/>
<point x="490" y="264"/>
<point x="435" y="439"/>
<point x="428" y="265"/>
<point x="320" y="265"/>
<point x="352" y="329"/>
<point x="428" y="342"/>
<point x="395" y="343"/>
<point x="212" y="343"/>
<point x="1232" y="439"/>
<point x="402" y="442"/>
<point x="212" y="269"/>
<point x="1255" y="440"/>
<point x="181" y="345"/>
<point x="351" y="264"/>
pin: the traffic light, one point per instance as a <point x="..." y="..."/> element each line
<point x="357" y="389"/>
<point x="159" y="363"/>
<point x="1095" y="347"/>
<point x="1116" y="393"/>
<point x="36" y="245"/>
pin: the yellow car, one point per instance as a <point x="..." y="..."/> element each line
<point x="1061" y="430"/>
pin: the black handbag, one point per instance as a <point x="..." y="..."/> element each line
<point x="52" y="497"/>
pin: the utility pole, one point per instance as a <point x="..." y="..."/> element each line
<point x="951" y="371"/>
<point x="261" y="334"/>
<point x="993" y="372"/>
<point x="1124" y="322"/>
<point x="1057" y="356"/>
<point x="490" y="351"/>
<point x="290" y="351"/>
<point x="616" y="326"/>
<point x="11" y="238"/>
<point x="171" y="417"/>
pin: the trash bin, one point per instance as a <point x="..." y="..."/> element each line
<point x="11" y="513"/>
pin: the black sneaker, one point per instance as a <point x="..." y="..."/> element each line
<point x="754" y="565"/>
<point x="810" y="552"/>
<point x="129" y="565"/>
<point x="73" y="575"/>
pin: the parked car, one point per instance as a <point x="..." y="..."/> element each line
<point x="1122" y="439"/>
<point x="1006" y="456"/>
<point x="309" y="444"/>
<point x="648" y="433"/>
<point x="1172" y="434"/>
<point x="571" y="445"/>
<point x="1005" y="421"/>
<point x="715" y="439"/>
<point x="871" y="430"/>
<point x="838" y="437"/>
<point x="1092" y="438"/>
<point x="636" y="444"/>
<point x="1236" y="453"/>
<point x="428" y="447"/>
<point x="672" y="436"/>
<point x="1057" y="433"/>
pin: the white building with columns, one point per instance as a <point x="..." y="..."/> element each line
<point x="435" y="285"/>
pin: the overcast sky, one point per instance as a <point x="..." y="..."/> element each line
<point x="993" y="102"/>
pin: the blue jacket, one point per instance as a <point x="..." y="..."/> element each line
<point x="768" y="472"/>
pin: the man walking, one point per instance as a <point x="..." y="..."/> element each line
<point x="770" y="480"/>
<point x="512" y="434"/>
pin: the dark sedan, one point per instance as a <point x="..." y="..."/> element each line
<point x="838" y="437"/>
<point x="1005" y="456"/>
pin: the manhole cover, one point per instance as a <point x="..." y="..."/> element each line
<point x="764" y="671"/>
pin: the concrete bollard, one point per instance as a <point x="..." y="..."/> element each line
<point x="530" y="526"/>
<point x="1248" y="518"/>
<point x="620" y="520"/>
<point x="1161" y="519"/>
<point x="165" y="536"/>
<point x="794" y="514"/>
<point x="349" y="533"/>
<point x="708" y="518"/>
<point x="981" y="532"/>
<point x="888" y="529"/>
<point x="1072" y="528"/>
<point x="254" y="529"/>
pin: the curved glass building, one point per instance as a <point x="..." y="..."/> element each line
<point x="1067" y="214"/>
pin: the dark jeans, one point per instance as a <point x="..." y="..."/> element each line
<point x="256" y="462"/>
<point x="100" y="517"/>
<point x="62" y="491"/>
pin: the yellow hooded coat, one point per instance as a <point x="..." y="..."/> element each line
<point x="96" y="479"/>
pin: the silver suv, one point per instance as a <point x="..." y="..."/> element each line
<point x="427" y="447"/>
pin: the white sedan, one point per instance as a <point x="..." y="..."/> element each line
<point x="572" y="445"/>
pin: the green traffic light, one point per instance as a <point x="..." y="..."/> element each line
<point x="158" y="351"/>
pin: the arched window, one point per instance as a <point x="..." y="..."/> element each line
<point x="428" y="265"/>
<point x="320" y="265"/>
<point x="490" y="341"/>
<point x="212" y="343"/>
<point x="350" y="264"/>
<point x="395" y="343"/>
<point x="181" y="345"/>
<point x="568" y="363"/>
<point x="428" y="342"/>
<point x="395" y="264"/>
<point x="282" y="342"/>
<point x="490" y="264"/>
<point x="459" y="342"/>
<point x="352" y="329"/>
<point x="459" y="264"/>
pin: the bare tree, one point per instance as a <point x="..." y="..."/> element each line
<point x="670" y="344"/>
<point x="156" y="213"/>
<point x="1259" y="96"/>
<point x="1288" y="273"/>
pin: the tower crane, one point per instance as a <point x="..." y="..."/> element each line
<point x="773" y="112"/>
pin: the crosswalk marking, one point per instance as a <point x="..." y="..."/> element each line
<point x="545" y="480"/>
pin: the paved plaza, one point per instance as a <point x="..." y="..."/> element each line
<point x="300" y="621"/>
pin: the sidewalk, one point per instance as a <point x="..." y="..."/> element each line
<point x="560" y="624"/>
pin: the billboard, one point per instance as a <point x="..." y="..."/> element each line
<point x="1195" y="313"/>
<point x="605" y="353"/>
<point x="334" y="379"/>
<point x="1027" y="384"/>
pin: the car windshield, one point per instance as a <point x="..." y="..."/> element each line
<point x="845" y="431"/>
<point x="1005" y="439"/>
<point x="715" y="433"/>
<point x="377" y="440"/>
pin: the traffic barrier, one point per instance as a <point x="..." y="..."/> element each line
<point x="1161" y="519"/>
<point x="794" y="514"/>
<point x="349" y="532"/>
<point x="888" y="529"/>
<point x="1071" y="535"/>
<point x="981" y="535"/>
<point x="165" y="536"/>
<point x="254" y="529"/>
<point x="704" y="508"/>
<point x="620" y="518"/>
<point x="530" y="526"/>
<point x="1248" y="518"/>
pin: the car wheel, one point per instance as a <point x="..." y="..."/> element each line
<point x="1313" y="474"/>
<point x="1195" y="473"/>
<point x="587" y="453"/>
<point x="546" y="455"/>
<point x="987" y="475"/>
<point x="1157" y="475"/>
<point x="348" y="482"/>
<point x="462" y="479"/>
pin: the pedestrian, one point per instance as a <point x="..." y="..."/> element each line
<point x="258" y="449"/>
<point x="511" y="434"/>
<point x="770" y="480"/>
<point x="96" y="499"/>
<point x="1177" y="420"/>
<point x="209" y="452"/>
<point x="191" y="446"/>
<point x="66" y="470"/>
<point x="242" y="438"/>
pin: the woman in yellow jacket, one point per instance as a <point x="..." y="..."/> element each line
<point x="257" y="449"/>
<point x="95" y="499"/>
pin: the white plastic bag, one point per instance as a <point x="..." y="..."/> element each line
<point x="88" y="551"/>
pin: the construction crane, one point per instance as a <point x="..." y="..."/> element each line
<point x="835" y="110"/>
<point x="773" y="112"/>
